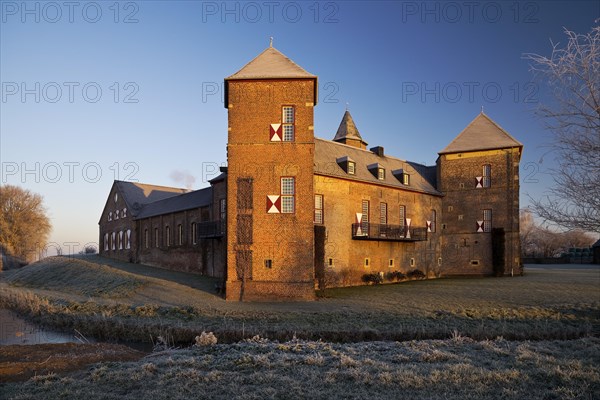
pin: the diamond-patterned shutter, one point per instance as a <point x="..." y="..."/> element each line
<point x="274" y="204"/>
<point x="408" y="228"/>
<point x="479" y="226"/>
<point x="479" y="182"/>
<point x="275" y="133"/>
<point x="428" y="226"/>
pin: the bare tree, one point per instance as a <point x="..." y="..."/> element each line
<point x="573" y="76"/>
<point x="24" y="225"/>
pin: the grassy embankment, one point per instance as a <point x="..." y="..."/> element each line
<point x="126" y="301"/>
<point x="108" y="301"/>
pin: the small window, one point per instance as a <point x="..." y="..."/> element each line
<point x="391" y="263"/>
<point x="487" y="220"/>
<point x="128" y="239"/>
<point x="156" y="242"/>
<point x="383" y="213"/>
<point x="450" y="208"/>
<point x="287" y="195"/>
<point x="116" y="197"/>
<point x="180" y="234"/>
<point x="318" y="209"/>
<point x="367" y="262"/>
<point x="146" y="239"/>
<point x="269" y="264"/>
<point x="402" y="218"/>
<point x="412" y="262"/>
<point x="460" y="217"/>
<point x="125" y="213"/>
<point x="380" y="174"/>
<point x="117" y="214"/>
<point x="194" y="233"/>
<point x="106" y="242"/>
<point x="120" y="241"/>
<point x="461" y="185"/>
<point x="474" y="262"/>
<point x="405" y="179"/>
<point x="288" y="123"/>
<point x="487" y="176"/>
<point x="439" y="261"/>
<point x="168" y="235"/>
<point x="351" y="167"/>
<point x="110" y="216"/>
<point x="330" y="262"/>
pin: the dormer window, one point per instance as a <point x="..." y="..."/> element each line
<point x="402" y="176"/>
<point x="351" y="167"/>
<point x="377" y="170"/>
<point x="110" y="216"/>
<point x="125" y="213"/>
<point x="347" y="164"/>
<point x="405" y="179"/>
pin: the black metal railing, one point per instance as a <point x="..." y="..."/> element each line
<point x="399" y="233"/>
<point x="211" y="229"/>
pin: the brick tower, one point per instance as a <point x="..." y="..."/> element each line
<point x="478" y="172"/>
<point x="270" y="154"/>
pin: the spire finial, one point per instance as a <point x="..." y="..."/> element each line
<point x="482" y="109"/>
<point x="347" y="105"/>
<point x="271" y="42"/>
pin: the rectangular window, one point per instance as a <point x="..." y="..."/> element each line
<point x="288" y="123"/>
<point x="330" y="262"/>
<point x="156" y="242"/>
<point x="194" y="233"/>
<point x="128" y="239"/>
<point x="120" y="240"/>
<point x="367" y="262"/>
<point x="287" y="195"/>
<point x="223" y="214"/>
<point x="402" y="210"/>
<point x="179" y="234"/>
<point x="146" y="239"/>
<point x="365" y="217"/>
<point x="106" y="242"/>
<point x="351" y="167"/>
<point x="487" y="175"/>
<point x="433" y="220"/>
<point x="318" y="209"/>
<point x="380" y="174"/>
<point x="383" y="213"/>
<point x="391" y="263"/>
<point x="168" y="236"/>
<point x="269" y="264"/>
<point x="487" y="220"/>
<point x="405" y="179"/>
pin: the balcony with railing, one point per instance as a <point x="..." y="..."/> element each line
<point x="210" y="229"/>
<point x="394" y="233"/>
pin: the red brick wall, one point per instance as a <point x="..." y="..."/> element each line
<point x="285" y="239"/>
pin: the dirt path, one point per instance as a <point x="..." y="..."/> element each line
<point x="19" y="363"/>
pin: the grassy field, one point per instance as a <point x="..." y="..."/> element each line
<point x="126" y="301"/>
<point x="531" y="337"/>
<point x="456" y="368"/>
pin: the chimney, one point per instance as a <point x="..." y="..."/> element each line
<point x="377" y="150"/>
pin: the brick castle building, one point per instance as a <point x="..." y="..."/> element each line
<point x="292" y="212"/>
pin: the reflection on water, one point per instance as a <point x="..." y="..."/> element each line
<point x="15" y="330"/>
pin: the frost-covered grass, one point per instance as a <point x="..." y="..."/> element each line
<point x="134" y="302"/>
<point x="457" y="368"/>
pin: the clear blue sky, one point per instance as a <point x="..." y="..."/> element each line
<point x="93" y="91"/>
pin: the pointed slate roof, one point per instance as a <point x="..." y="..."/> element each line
<point x="271" y="64"/>
<point x="348" y="130"/>
<point x="481" y="134"/>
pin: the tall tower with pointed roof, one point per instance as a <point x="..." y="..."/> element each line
<point x="478" y="172"/>
<point x="347" y="133"/>
<point x="270" y="153"/>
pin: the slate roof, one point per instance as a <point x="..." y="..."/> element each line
<point x="422" y="178"/>
<point x="271" y="64"/>
<point x="348" y="130"/>
<point x="182" y="202"/>
<point x="481" y="134"/>
<point x="137" y="195"/>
